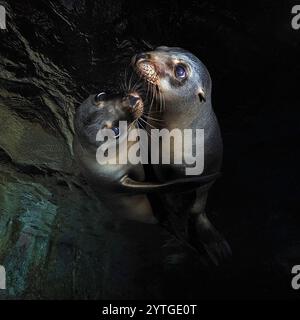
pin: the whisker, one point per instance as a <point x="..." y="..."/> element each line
<point x="142" y="147"/>
<point x="151" y="118"/>
<point x="149" y="124"/>
<point x="125" y="79"/>
<point x="129" y="83"/>
<point x="156" y="140"/>
<point x="153" y="112"/>
<point x="153" y="97"/>
<point x="144" y="128"/>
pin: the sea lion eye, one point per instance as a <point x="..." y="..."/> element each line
<point x="180" y="71"/>
<point x="100" y="97"/>
<point x="116" y="131"/>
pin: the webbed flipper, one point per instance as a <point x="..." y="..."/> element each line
<point x="177" y="185"/>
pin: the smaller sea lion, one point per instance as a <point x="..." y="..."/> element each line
<point x="121" y="187"/>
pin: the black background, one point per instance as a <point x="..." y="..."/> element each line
<point x="252" y="54"/>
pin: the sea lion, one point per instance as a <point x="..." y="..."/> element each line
<point x="181" y="86"/>
<point x="120" y="187"/>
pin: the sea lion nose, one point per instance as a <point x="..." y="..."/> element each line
<point x="133" y="100"/>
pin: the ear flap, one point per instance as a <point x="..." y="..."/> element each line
<point x="100" y="97"/>
<point x="201" y="95"/>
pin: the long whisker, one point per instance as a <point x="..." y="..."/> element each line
<point x="151" y="118"/>
<point x="142" y="147"/>
<point x="162" y="101"/>
<point x="149" y="93"/>
<point x="148" y="90"/>
<point x="144" y="128"/>
<point x="152" y="113"/>
<point x="153" y="97"/>
<point x="149" y="124"/>
<point x="137" y="86"/>
<point x="155" y="139"/>
<point x="122" y="85"/>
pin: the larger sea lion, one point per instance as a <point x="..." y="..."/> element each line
<point x="181" y="86"/>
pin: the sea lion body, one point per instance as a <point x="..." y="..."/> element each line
<point x="183" y="87"/>
<point x="107" y="179"/>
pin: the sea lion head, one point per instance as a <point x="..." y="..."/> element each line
<point x="175" y="72"/>
<point x="104" y="111"/>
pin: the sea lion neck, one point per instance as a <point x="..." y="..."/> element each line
<point x="178" y="116"/>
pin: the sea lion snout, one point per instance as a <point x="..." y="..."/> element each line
<point x="147" y="67"/>
<point x="133" y="100"/>
<point x="136" y="105"/>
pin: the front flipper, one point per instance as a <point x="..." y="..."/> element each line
<point x="178" y="185"/>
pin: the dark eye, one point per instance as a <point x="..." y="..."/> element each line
<point x="100" y="97"/>
<point x="180" y="72"/>
<point x="116" y="131"/>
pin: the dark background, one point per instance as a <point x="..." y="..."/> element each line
<point x="56" y="241"/>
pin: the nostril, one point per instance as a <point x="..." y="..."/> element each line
<point x="133" y="100"/>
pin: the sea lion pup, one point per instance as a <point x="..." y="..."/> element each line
<point x="120" y="187"/>
<point x="181" y="87"/>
